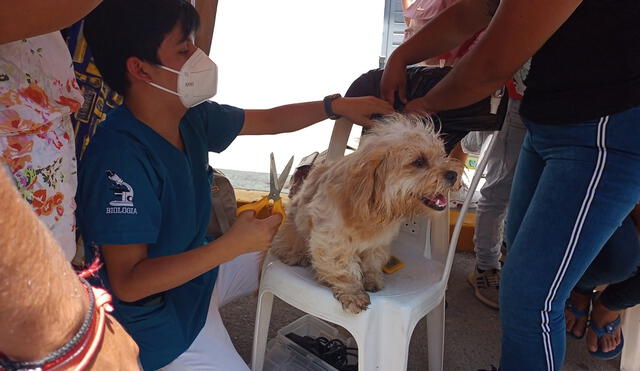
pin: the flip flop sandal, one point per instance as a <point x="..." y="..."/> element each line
<point x="609" y="328"/>
<point x="577" y="313"/>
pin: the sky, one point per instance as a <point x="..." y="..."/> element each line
<point x="276" y="52"/>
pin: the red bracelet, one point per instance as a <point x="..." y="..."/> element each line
<point x="80" y="351"/>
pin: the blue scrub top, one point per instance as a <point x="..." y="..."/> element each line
<point x="135" y="187"/>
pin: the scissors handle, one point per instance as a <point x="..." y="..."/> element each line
<point x="263" y="209"/>
<point x="278" y="209"/>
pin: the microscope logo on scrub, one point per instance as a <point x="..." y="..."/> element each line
<point x="123" y="204"/>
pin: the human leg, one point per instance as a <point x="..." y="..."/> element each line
<point x="617" y="261"/>
<point x="494" y="199"/>
<point x="575" y="187"/>
<point x="622" y="295"/>
<point x="213" y="350"/>
<point x="492" y="206"/>
<point x="608" y="307"/>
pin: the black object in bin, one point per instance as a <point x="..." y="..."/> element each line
<point x="334" y="351"/>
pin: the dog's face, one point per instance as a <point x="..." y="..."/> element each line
<point x="402" y="170"/>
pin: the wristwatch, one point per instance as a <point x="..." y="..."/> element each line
<point x="327" y="105"/>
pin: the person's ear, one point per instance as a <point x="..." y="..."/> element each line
<point x="138" y="69"/>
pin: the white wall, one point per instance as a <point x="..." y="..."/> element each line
<point x="274" y="52"/>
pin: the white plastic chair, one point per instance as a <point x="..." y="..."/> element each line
<point x="383" y="331"/>
<point x="630" y="360"/>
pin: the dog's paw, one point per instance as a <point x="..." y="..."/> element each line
<point x="296" y="259"/>
<point x="354" y="303"/>
<point x="305" y="260"/>
<point x="373" y="282"/>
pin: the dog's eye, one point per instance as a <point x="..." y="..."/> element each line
<point x="420" y="162"/>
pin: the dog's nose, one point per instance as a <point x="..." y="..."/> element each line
<point x="451" y="176"/>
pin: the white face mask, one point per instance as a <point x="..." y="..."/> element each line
<point x="197" y="79"/>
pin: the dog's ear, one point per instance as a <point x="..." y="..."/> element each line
<point x="365" y="184"/>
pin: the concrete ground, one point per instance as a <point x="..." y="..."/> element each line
<point x="472" y="338"/>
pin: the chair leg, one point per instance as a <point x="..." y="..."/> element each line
<point x="435" y="337"/>
<point x="263" y="318"/>
<point x="389" y="352"/>
<point x="631" y="328"/>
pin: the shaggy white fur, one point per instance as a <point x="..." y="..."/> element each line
<point x="347" y="212"/>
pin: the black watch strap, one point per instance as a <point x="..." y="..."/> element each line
<point x="327" y="105"/>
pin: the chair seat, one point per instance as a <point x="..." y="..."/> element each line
<point x="418" y="283"/>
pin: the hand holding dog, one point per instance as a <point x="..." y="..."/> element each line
<point x="418" y="106"/>
<point x="249" y="234"/>
<point x="394" y="80"/>
<point x="360" y="109"/>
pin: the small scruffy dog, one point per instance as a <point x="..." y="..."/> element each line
<point x="347" y="212"/>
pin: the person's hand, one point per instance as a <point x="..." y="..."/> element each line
<point x="394" y="79"/>
<point x="249" y="234"/>
<point x="418" y="106"/>
<point x="360" y="109"/>
<point x="118" y="350"/>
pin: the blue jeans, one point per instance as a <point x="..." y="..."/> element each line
<point x="573" y="187"/>
<point x="616" y="265"/>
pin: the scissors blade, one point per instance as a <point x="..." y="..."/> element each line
<point x="284" y="175"/>
<point x="273" y="181"/>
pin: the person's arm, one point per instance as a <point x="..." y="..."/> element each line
<point x="635" y="216"/>
<point x="405" y="5"/>
<point x="207" y="9"/>
<point x="292" y="117"/>
<point x="43" y="302"/>
<point x="134" y="276"/>
<point x="27" y="18"/>
<point x="448" y="30"/>
<point x="518" y="29"/>
<point x="34" y="276"/>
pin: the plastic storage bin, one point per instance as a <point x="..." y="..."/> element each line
<point x="285" y="355"/>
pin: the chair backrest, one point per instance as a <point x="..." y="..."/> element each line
<point x="430" y="233"/>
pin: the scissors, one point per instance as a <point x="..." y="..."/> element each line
<point x="271" y="203"/>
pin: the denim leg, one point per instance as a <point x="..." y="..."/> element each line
<point x="622" y="295"/>
<point x="528" y="171"/>
<point x="574" y="186"/>
<point x="617" y="261"/>
<point x="494" y="199"/>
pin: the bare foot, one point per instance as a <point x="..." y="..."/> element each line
<point x="577" y="326"/>
<point x="601" y="315"/>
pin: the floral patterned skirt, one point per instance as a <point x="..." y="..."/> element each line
<point x="43" y="164"/>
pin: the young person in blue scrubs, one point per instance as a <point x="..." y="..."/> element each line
<point x="143" y="195"/>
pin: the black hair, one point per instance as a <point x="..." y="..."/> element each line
<point x="119" y="29"/>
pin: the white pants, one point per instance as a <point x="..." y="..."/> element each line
<point x="212" y="349"/>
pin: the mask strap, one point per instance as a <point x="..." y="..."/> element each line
<point x="169" y="69"/>
<point x="163" y="88"/>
